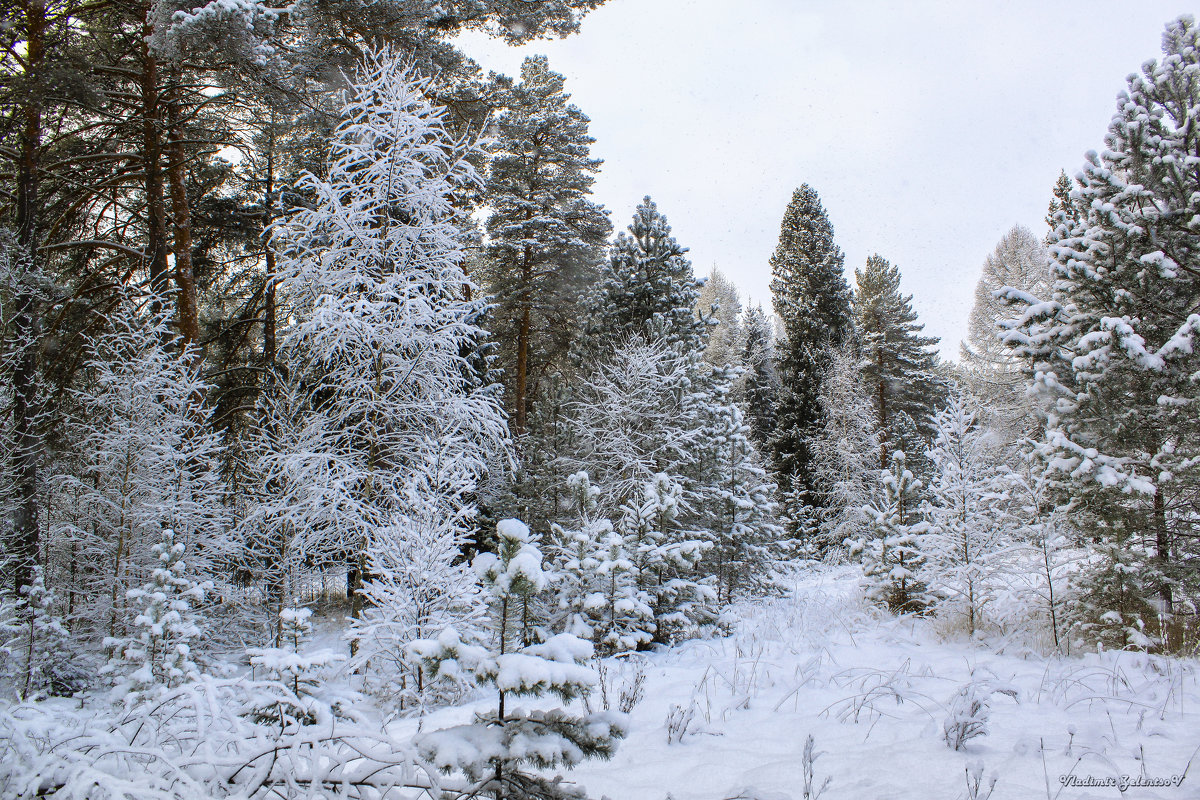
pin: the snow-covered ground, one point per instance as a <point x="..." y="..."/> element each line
<point x="875" y="693"/>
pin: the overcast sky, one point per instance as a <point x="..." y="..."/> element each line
<point x="928" y="128"/>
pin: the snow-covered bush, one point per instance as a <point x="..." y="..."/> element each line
<point x="492" y="751"/>
<point x="969" y="711"/>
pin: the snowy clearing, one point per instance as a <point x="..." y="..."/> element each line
<point x="875" y="693"/>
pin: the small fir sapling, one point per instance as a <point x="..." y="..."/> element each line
<point x="574" y="558"/>
<point x="665" y="557"/>
<point x="732" y="495"/>
<point x="157" y="655"/>
<point x="493" y="750"/>
<point x="596" y="588"/>
<point x="892" y="557"/>
<point x="291" y="674"/>
<point x="35" y="644"/>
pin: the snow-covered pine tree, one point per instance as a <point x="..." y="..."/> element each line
<point x="545" y="235"/>
<point x="993" y="371"/>
<point x="846" y="451"/>
<point x="493" y="750"/>
<point x="382" y="338"/>
<point x="892" y="553"/>
<point x="899" y="363"/>
<point x="645" y="289"/>
<point x="157" y="654"/>
<point x="812" y="300"/>
<point x="1114" y="350"/>
<point x="290" y="674"/>
<point x="762" y="383"/>
<point x="968" y="526"/>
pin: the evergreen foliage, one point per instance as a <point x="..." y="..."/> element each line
<point x="545" y="235"/>
<point x="812" y="300"/>
<point x="493" y="749"/>
<point x="893" y="556"/>
<point x="645" y="289"/>
<point x="1113" y="345"/>
<point x="899" y="364"/>
<point x="762" y="382"/>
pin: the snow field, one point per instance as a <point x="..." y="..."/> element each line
<point x="875" y="693"/>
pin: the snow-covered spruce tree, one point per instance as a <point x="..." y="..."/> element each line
<point x="35" y="647"/>
<point x="596" y="594"/>
<point x="665" y="556"/>
<point x="993" y="371"/>
<point x="1113" y="348"/>
<point x="735" y="503"/>
<point x="623" y="616"/>
<point x="762" y="384"/>
<point x="572" y="551"/>
<point x="1062" y="209"/>
<point x="645" y="289"/>
<point x="727" y="336"/>
<point x="545" y="235"/>
<point x="157" y="654"/>
<point x="812" y="300"/>
<point x="846" y="451"/>
<point x="492" y="750"/>
<point x="381" y="337"/>
<point x="899" y="364"/>
<point x="148" y="460"/>
<point x="892" y="553"/>
<point x="968" y="525"/>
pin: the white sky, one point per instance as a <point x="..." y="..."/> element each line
<point x="928" y="128"/>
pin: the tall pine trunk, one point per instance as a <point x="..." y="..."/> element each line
<point x="27" y="322"/>
<point x="152" y="154"/>
<point x="185" y="278"/>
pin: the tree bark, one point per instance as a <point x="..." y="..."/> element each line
<point x="27" y="321"/>
<point x="181" y="214"/>
<point x="523" y="333"/>
<point x="152" y="153"/>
